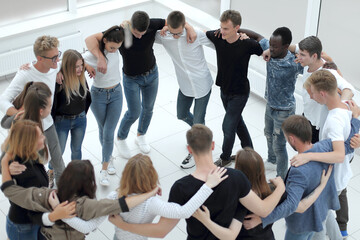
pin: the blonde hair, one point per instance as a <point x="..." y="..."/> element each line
<point x="138" y="176"/>
<point x="44" y="44"/>
<point x="322" y="80"/>
<point x="72" y="82"/>
<point x="22" y="140"/>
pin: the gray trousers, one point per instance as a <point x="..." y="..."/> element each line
<point x="330" y="227"/>
<point x="56" y="160"/>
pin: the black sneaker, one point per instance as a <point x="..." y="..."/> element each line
<point x="222" y="163"/>
<point x="188" y="162"/>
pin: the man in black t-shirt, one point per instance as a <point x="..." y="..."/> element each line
<point x="223" y="204"/>
<point x="140" y="75"/>
<point x="233" y="55"/>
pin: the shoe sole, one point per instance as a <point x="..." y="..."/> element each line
<point x="187" y="167"/>
<point x="111" y="173"/>
<point x="225" y="165"/>
<point x="105" y="185"/>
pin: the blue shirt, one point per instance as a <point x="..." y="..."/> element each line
<point x="301" y="181"/>
<point x="281" y="74"/>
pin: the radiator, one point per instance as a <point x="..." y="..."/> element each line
<point x="12" y="60"/>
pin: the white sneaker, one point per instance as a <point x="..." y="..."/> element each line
<point x="188" y="162"/>
<point x="269" y="166"/>
<point x="142" y="143"/>
<point x="123" y="148"/>
<point x="111" y="169"/>
<point x="104" y="178"/>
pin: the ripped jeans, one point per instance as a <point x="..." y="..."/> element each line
<point x="275" y="138"/>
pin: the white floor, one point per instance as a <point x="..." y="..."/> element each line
<point x="166" y="135"/>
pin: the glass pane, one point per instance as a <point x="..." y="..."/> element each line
<point x="338" y="31"/>
<point x="21" y="10"/>
<point x="211" y="7"/>
<point x="264" y="16"/>
<point x="83" y="3"/>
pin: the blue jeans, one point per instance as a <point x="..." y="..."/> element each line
<point x="183" y="108"/>
<point x="276" y="141"/>
<point x="147" y="85"/>
<point x="106" y="105"/>
<point x="234" y="123"/>
<point x="298" y="236"/>
<point x="77" y="126"/>
<point x="16" y="231"/>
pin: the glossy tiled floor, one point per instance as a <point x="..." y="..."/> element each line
<point x="166" y="135"/>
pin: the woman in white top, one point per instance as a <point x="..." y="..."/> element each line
<point x="138" y="176"/>
<point x="106" y="95"/>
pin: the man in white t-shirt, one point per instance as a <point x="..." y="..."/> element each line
<point x="44" y="70"/>
<point x="310" y="58"/>
<point x="322" y="87"/>
<point x="191" y="70"/>
<point x="309" y="55"/>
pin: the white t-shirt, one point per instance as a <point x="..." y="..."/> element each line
<point x="337" y="127"/>
<point x="313" y="111"/>
<point x="17" y="85"/>
<point x="112" y="75"/>
<point x="191" y="68"/>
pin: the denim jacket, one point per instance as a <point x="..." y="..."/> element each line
<point x="281" y="74"/>
<point x="301" y="181"/>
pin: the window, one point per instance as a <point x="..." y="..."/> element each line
<point x="338" y="32"/>
<point x="20" y="10"/>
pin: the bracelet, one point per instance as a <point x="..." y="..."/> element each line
<point x="124" y="207"/>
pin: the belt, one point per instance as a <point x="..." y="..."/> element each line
<point x="148" y="72"/>
<point x="69" y="116"/>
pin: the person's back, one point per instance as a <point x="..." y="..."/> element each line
<point x="307" y="178"/>
<point x="223" y="203"/>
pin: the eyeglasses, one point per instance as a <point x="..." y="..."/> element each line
<point x="176" y="34"/>
<point x="54" y="58"/>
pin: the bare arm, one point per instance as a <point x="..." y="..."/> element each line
<point x="251" y="34"/>
<point x="336" y="156"/>
<point x="92" y="43"/>
<point x="5" y="168"/>
<point x="346" y="94"/>
<point x="155" y="230"/>
<point x="264" y="207"/>
<point x="219" y="231"/>
<point x="306" y="202"/>
<point x="190" y="33"/>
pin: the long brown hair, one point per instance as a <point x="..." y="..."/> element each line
<point x="19" y="100"/>
<point x="251" y="164"/>
<point x="36" y="98"/>
<point x="22" y="140"/>
<point x="138" y="176"/>
<point x="77" y="180"/>
<point x="72" y="82"/>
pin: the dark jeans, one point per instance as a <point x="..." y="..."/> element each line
<point x="342" y="215"/>
<point x="233" y="123"/>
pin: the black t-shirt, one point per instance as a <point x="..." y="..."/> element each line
<point x="258" y="232"/>
<point x="76" y="105"/>
<point x="34" y="176"/>
<point x="233" y="61"/>
<point x="140" y="58"/>
<point x="223" y="203"/>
